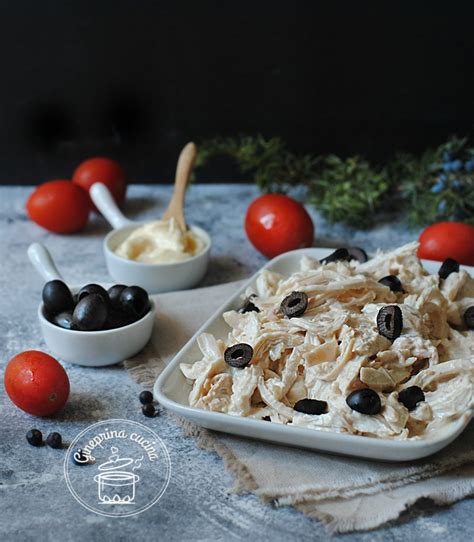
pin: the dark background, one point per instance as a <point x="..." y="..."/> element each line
<point x="135" y="80"/>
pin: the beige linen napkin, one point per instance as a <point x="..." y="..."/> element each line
<point x="346" y="494"/>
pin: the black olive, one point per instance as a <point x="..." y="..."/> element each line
<point x="392" y="282"/>
<point x="34" y="437"/>
<point x="114" y="295"/>
<point x="339" y="255"/>
<point x="90" y="289"/>
<point x="266" y="419"/>
<point x="365" y="401"/>
<point x="134" y="301"/>
<point x="410" y="397"/>
<point x="64" y="320"/>
<point x="54" y="440"/>
<point x="311" y="406"/>
<point x="239" y="355"/>
<point x="80" y="458"/>
<point x="294" y="305"/>
<point x="390" y="322"/>
<point x="117" y="319"/>
<point x="469" y="317"/>
<point x="149" y="410"/>
<point x="447" y="267"/>
<point x="90" y="313"/>
<point x="145" y="397"/>
<point x="357" y="253"/>
<point x="57" y="297"/>
<point x="248" y="305"/>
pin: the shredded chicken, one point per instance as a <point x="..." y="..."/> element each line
<point x="335" y="348"/>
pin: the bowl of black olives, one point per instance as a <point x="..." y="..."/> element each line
<point x="93" y="324"/>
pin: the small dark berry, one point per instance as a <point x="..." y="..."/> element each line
<point x="145" y="397"/>
<point x="54" y="440"/>
<point x="34" y="437"/>
<point x="148" y="410"/>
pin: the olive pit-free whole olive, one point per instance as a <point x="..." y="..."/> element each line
<point x="64" y="320"/>
<point x="117" y="319"/>
<point x="89" y="289"/>
<point x="57" y="297"/>
<point x="134" y="301"/>
<point x="90" y="313"/>
<point x="114" y="295"/>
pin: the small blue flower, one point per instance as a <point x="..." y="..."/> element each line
<point x="455" y="165"/>
<point x="443" y="177"/>
<point x="447" y="166"/>
<point x="469" y="165"/>
<point x="446" y="156"/>
<point x="442" y="206"/>
<point x="456" y="184"/>
<point x="438" y="187"/>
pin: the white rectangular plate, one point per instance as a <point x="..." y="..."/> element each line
<point x="172" y="391"/>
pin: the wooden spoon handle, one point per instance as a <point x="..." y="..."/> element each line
<point x="183" y="172"/>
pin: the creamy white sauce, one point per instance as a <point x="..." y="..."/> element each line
<point x="161" y="241"/>
<point x="335" y="348"/>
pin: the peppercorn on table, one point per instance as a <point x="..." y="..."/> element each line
<point x="34" y="500"/>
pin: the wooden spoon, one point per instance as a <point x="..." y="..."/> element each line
<point x="183" y="172"/>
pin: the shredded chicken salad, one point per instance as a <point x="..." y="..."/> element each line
<point x="333" y="347"/>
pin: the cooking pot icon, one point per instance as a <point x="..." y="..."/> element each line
<point x="116" y="486"/>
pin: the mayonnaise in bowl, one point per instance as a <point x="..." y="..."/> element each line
<point x="160" y="241"/>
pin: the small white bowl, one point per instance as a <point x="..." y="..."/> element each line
<point x="153" y="277"/>
<point x="89" y="348"/>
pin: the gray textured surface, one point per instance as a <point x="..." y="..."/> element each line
<point x="35" y="503"/>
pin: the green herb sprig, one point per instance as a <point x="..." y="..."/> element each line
<point x="273" y="166"/>
<point x="349" y="191"/>
<point x="438" y="185"/>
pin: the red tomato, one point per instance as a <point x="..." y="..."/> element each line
<point x="102" y="170"/>
<point x="276" y="223"/>
<point x="448" y="240"/>
<point x="59" y="206"/>
<point x="36" y="383"/>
